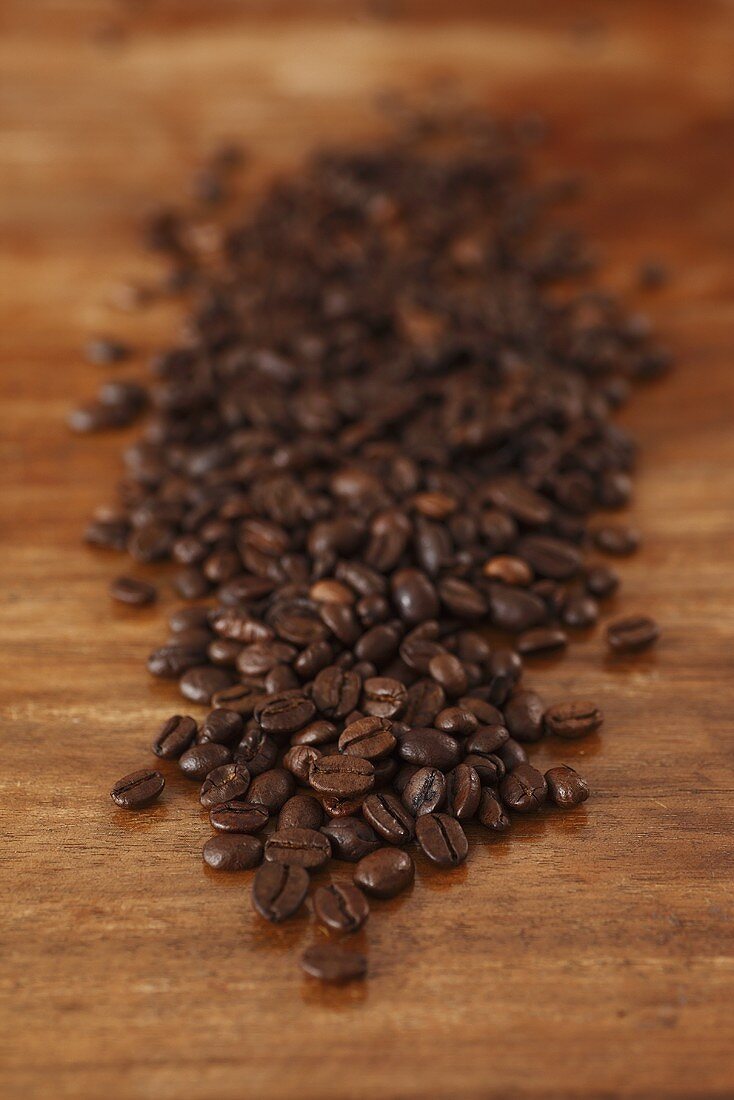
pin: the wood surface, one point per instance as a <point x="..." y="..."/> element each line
<point x="587" y="955"/>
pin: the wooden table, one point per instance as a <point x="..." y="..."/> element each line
<point x="591" y="954"/>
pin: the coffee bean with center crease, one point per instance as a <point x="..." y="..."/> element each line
<point x="565" y="786"/>
<point x="138" y="789"/>
<point x="232" y="852"/>
<point x="174" y="737"/>
<point x="336" y="692"/>
<point x="316" y="733"/>
<point x="134" y="593"/>
<point x="329" y="962"/>
<point x="279" y="890"/>
<point x="542" y="640"/>
<point x="487" y="739"/>
<point x="239" y="817"/>
<point x="342" y="776"/>
<point x="371" y="738"/>
<point x="617" y="540"/>
<point x="524" y="716"/>
<point x="550" y="557"/>
<point x="257" y="751"/>
<point x="414" y="596"/>
<point x="525" y="505"/>
<point x="457" y="721"/>
<point x="224" y="784"/>
<point x="425" y="699"/>
<point x="573" y="718"/>
<point x="272" y="789"/>
<point x="491" y="813"/>
<point x="514" y="609"/>
<point x="199" y="684"/>
<point x="385" y="873"/>
<point x="340" y="907"/>
<point x="302" y="811"/>
<point x="199" y="760"/>
<point x="633" y="634"/>
<point x="222" y="726"/>
<point x="284" y="713"/>
<point x="351" y="838"/>
<point x="388" y="817"/>
<point x="524" y="789"/>
<point x="298" y="761"/>
<point x="383" y="697"/>
<point x="442" y="839"/>
<point x="301" y="847"/>
<point x="489" y="766"/>
<point x="170" y="661"/>
<point x="601" y="581"/>
<point x="424" y="792"/>
<point x="430" y="748"/>
<point x="463" y="792"/>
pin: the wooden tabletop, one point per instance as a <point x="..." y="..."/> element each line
<point x="589" y="954"/>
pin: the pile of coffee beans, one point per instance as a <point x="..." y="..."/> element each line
<point x="375" y="456"/>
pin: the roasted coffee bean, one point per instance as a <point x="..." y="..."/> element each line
<point x="449" y="672"/>
<point x="170" y="661"/>
<point x="223" y="653"/>
<point x="511" y="754"/>
<point x="257" y="751"/>
<point x="617" y="540"/>
<point x="430" y="748"/>
<point x="462" y="599"/>
<point x="414" y="596"/>
<point x="484" y="712"/>
<point x="491" y="813"/>
<point x="301" y="812"/>
<point x="424" y="792"/>
<point x="524" y="789"/>
<point x="442" y="839"/>
<point x="336" y="692"/>
<point x="188" y="618"/>
<point x="199" y="760"/>
<point x="262" y="657"/>
<point x="385" y="771"/>
<point x="279" y="890"/>
<point x="573" y="718"/>
<point x="550" y="557"/>
<point x="383" y="697"/>
<point x="487" y="739"/>
<point x="232" y="852"/>
<point x="425" y="699"/>
<point x="285" y="713"/>
<point x="224" y="785"/>
<point x="535" y="643"/>
<point x="334" y="806"/>
<point x="330" y="962"/>
<point x="221" y="725"/>
<point x="351" y="838"/>
<point x="565" y="786"/>
<point x="241" y="698"/>
<point x="199" y="684"/>
<point x="508" y="569"/>
<point x="633" y="634"/>
<point x="488" y="766"/>
<point x="524" y="716"/>
<point x="239" y="817"/>
<point x="299" y="847"/>
<point x="505" y="670"/>
<point x="272" y="789"/>
<point x="343" y="776"/>
<point x="389" y="818"/>
<point x="515" y="609"/>
<point x="385" y="873"/>
<point x="316" y="733"/>
<point x="601" y="581"/>
<point x="138" y="789"/>
<point x="370" y="738"/>
<point x="463" y="791"/>
<point x="457" y="721"/>
<point x="512" y="496"/>
<point x="379" y="645"/>
<point x="130" y="591"/>
<point x="340" y="907"/>
<point x="298" y="761"/>
<point x="579" y="610"/>
<point x="174" y="737"/>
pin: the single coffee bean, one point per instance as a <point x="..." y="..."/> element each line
<point x="371" y="738"/>
<point x="301" y="847"/>
<point x="232" y="852"/>
<point x="524" y="716"/>
<point x="200" y="683"/>
<point x="351" y="838"/>
<point x="512" y="496"/>
<point x="457" y="721"/>
<point x="315" y="733"/>
<point x="463" y="792"/>
<point x="601" y="581"/>
<point x="488" y="766"/>
<point x="508" y="569"/>
<point x="279" y="890"/>
<point x="224" y="784"/>
<point x="565" y="786"/>
<point x="302" y="811"/>
<point x="617" y="540"/>
<point x="524" y="789"/>
<point x="424" y="792"/>
<point x="514" y="609"/>
<point x="340" y="907"/>
<point x="425" y="699"/>
<point x="138" y="789"/>
<point x="511" y="754"/>
<point x="385" y="873"/>
<point x="170" y="661"/>
<point x="199" y="760"/>
<point x="130" y="591"/>
<point x="239" y="817"/>
<point x="449" y="672"/>
<point x="329" y="962"/>
<point x="257" y="750"/>
<point x="414" y="596"/>
<point x="389" y="818"/>
<point x="630" y="635"/>
<point x="298" y="761"/>
<point x="579" y="610"/>
<point x="491" y="813"/>
<point x="550" y="557"/>
<point x="222" y="726"/>
<point x="487" y="740"/>
<point x="442" y="839"/>
<point x="342" y="776"/>
<point x="483" y="711"/>
<point x="334" y="806"/>
<point x="272" y="789"/>
<point x="174" y="737"/>
<point x="285" y="713"/>
<point x="241" y="698"/>
<point x="573" y="718"/>
<point x="384" y="697"/>
<point x="429" y="748"/>
<point x="336" y="692"/>
<point x="535" y="643"/>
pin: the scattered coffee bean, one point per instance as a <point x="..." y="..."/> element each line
<point x="388" y="817"/>
<point x="371" y="738"/>
<point x="385" y="872"/>
<point x="524" y="789"/>
<point x="232" y="852"/>
<point x="632" y="634"/>
<point x="463" y="792"/>
<point x="133" y="592"/>
<point x="300" y="847"/>
<point x="198" y="761"/>
<point x="340" y="907"/>
<point x="174" y="737"/>
<point x="442" y="839"/>
<point x="272" y="789"/>
<point x="565" y="786"/>
<point x="302" y="811"/>
<point x="330" y="962"/>
<point x="524" y="716"/>
<point x="491" y="813"/>
<point x="573" y="718"/>
<point x="279" y="890"/>
<point x="138" y="789"/>
<point x="239" y="817"/>
<point x="542" y="640"/>
<point x="342" y="776"/>
<point x="424" y="792"/>
<point x="224" y="785"/>
<point x="351" y="838"/>
<point x="619" y="541"/>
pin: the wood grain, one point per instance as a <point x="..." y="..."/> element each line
<point x="590" y="955"/>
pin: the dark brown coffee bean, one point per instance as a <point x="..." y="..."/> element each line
<point x="488" y="766"/>
<point x="550" y="557"/>
<point x="284" y="713"/>
<point x="633" y="634"/>
<point x="579" y="610"/>
<point x="601" y="581"/>
<point x="138" y="789"/>
<point x="524" y="789"/>
<point x="414" y="596"/>
<point x="130" y="591"/>
<point x="298" y="761"/>
<point x="491" y="813"/>
<point x="342" y="776"/>
<point x="174" y="737"/>
<point x="262" y="657"/>
<point x="522" y="503"/>
<point x="524" y="716"/>
<point x="370" y="738"/>
<point x="279" y="890"/>
<point x="514" y="609"/>
<point x="170" y="661"/>
<point x="385" y="873"/>
<point x="511" y="754"/>
<point x="573" y="718"/>
<point x="221" y="725"/>
<point x="442" y="839"/>
<point x="329" y="962"/>
<point x="462" y="599"/>
<point x="543" y="640"/>
<point x="239" y="817"/>
<point x="424" y="792"/>
<point x="457" y="721"/>
<point x="425" y="699"/>
<point x="463" y="791"/>
<point x="316" y="733"/>
<point x="340" y="907"/>
<point x="272" y="789"/>
<point x="301" y="812"/>
<point x="199" y="760"/>
<point x="351" y="838"/>
<point x="565" y="786"/>
<point x="241" y="698"/>
<point x="508" y="569"/>
<point x="232" y="852"/>
<point x="389" y="818"/>
<point x="257" y="751"/>
<point x="449" y="672"/>
<point x="484" y="712"/>
<point x="429" y="748"/>
<point x="299" y="847"/>
<point x="334" y="806"/>
<point x="336" y="692"/>
<point x="199" y="684"/>
<point x="617" y="540"/>
<point x="224" y="784"/>
<point x="383" y="697"/>
<point x="487" y="740"/>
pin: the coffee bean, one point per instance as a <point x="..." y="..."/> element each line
<point x="442" y="839"/>
<point x="515" y="609"/>
<point x="619" y="541"/>
<point x="199" y="760"/>
<point x="425" y="699"/>
<point x="449" y="672"/>
<point x="298" y="761"/>
<point x="573" y="718"/>
<point x="458" y="721"/>
<point x="279" y="890"/>
<point x="484" y="713"/>
<point x="579" y="610"/>
<point x="257" y="751"/>
<point x="301" y="812"/>
<point x="463" y="791"/>
<point x="511" y="754"/>
<point x="524" y="716"/>
<point x="130" y="591"/>
<point x="424" y="792"/>
<point x="521" y="502"/>
<point x="602" y="581"/>
<point x="524" y="789"/>
<point x="340" y="907"/>
<point x="489" y="767"/>
<point x="370" y="738"/>
<point x="633" y="634"/>
<point x="241" y="698"/>
<point x="491" y="813"/>
<point x="508" y="569"/>
<point x="199" y="684"/>
<point x="385" y="873"/>
<point x="170" y="661"/>
<point x="462" y="599"/>
<point x="329" y="962"/>
<point x="351" y="838"/>
<point x="565" y="786"/>
<point x="224" y="784"/>
<point x="534" y="643"/>
<point x="414" y="596"/>
<point x="299" y="847"/>
<point x="174" y="737"/>
<point x="342" y="776"/>
<point x="138" y="789"/>
<point x="221" y="725"/>
<point x="232" y="852"/>
<point x="388" y="817"/>
<point x="383" y="697"/>
<point x="430" y="748"/>
<point x="336" y="692"/>
<point x="239" y="817"/>
<point x="315" y="733"/>
<point x="272" y="789"/>
<point x="284" y="713"/>
<point x="487" y="739"/>
<point x="550" y="557"/>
